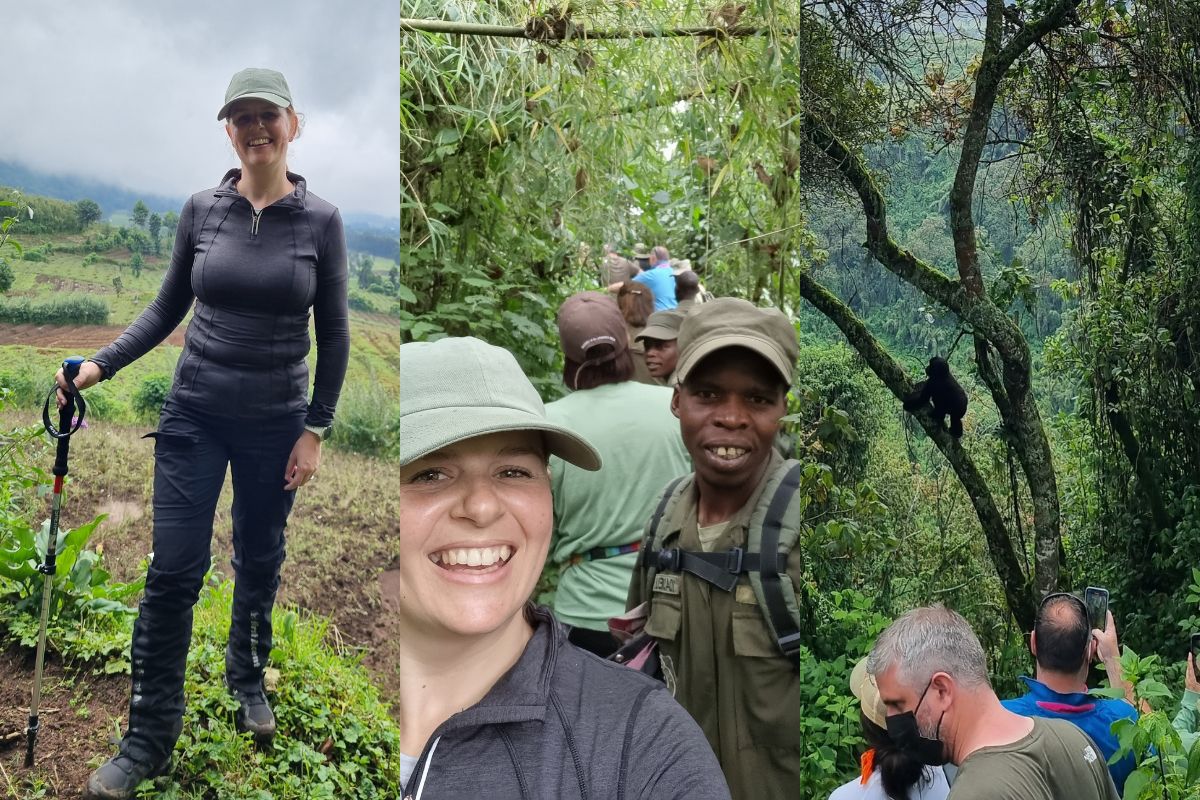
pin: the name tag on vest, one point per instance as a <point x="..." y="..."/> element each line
<point x="667" y="584"/>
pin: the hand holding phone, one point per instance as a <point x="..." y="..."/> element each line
<point x="1095" y="600"/>
<point x="1196" y="656"/>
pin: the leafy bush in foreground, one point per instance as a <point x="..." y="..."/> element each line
<point x="335" y="737"/>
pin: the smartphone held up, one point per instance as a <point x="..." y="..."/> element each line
<point x="1095" y="600"/>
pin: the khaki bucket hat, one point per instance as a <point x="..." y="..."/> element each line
<point x="459" y="388"/>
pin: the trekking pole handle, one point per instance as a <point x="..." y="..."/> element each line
<point x="66" y="414"/>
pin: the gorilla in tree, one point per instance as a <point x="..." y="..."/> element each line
<point x="949" y="399"/>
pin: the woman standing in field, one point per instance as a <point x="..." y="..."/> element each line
<point x="254" y="255"/>
<point x="494" y="701"/>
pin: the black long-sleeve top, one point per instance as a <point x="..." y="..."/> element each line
<point x="253" y="277"/>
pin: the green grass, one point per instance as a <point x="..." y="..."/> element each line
<point x="372" y="379"/>
<point x="335" y="738"/>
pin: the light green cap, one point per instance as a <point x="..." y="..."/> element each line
<point x="459" y="388"/>
<point x="264" y="84"/>
<point x="732" y="322"/>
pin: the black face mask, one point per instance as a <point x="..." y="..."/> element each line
<point x="906" y="735"/>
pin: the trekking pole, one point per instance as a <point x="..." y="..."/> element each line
<point x="62" y="434"/>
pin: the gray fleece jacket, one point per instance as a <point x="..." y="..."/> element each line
<point x="564" y="724"/>
<point x="253" y="276"/>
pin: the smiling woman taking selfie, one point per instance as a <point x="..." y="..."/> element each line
<point x="254" y="256"/>
<point x="494" y="701"/>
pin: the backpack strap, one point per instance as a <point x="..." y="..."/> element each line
<point x="776" y="595"/>
<point x="648" y="554"/>
<point x="720" y="569"/>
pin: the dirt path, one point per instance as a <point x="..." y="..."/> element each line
<point x="77" y="337"/>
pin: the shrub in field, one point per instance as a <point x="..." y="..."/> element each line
<point x="103" y="404"/>
<point x="26" y="386"/>
<point x="151" y="394"/>
<point x="335" y="738"/>
<point x="89" y="618"/>
<point x="62" y="310"/>
<point x="368" y="421"/>
<point x="6" y="276"/>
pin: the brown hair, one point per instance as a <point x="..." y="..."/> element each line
<point x="636" y="301"/>
<point x="616" y="370"/>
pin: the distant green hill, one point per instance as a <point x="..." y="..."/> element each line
<point x="365" y="233"/>
<point x="72" y="187"/>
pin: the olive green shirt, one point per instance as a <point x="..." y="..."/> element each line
<point x="1055" y="761"/>
<point x="721" y="662"/>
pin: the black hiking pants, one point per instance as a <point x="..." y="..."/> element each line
<point x="192" y="451"/>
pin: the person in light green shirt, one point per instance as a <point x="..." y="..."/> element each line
<point x="599" y="517"/>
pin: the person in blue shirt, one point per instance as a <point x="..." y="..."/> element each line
<point x="660" y="278"/>
<point x="1064" y="646"/>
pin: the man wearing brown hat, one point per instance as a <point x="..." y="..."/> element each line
<point x="717" y="566"/>
<point x="658" y="340"/>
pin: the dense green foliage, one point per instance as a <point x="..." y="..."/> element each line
<point x="523" y="157"/>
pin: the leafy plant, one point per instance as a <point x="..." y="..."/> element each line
<point x="335" y="738"/>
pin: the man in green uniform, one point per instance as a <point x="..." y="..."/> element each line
<point x="932" y="677"/>
<point x="718" y="655"/>
<point x="660" y="342"/>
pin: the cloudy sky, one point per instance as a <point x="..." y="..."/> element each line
<point x="127" y="91"/>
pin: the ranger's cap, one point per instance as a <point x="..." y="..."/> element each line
<point x="662" y="325"/>
<point x="731" y="322"/>
<point x="264" y="84"/>
<point x="641" y="251"/>
<point x="459" y="388"/>
<point x="862" y="684"/>
<point x="588" y="319"/>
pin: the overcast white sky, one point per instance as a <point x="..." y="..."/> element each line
<point x="127" y="91"/>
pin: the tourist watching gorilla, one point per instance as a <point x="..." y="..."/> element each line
<point x="888" y="772"/>
<point x="1065" y="645"/>
<point x="932" y="677"/>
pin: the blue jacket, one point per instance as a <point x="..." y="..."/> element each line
<point x="661" y="281"/>
<point x="1094" y="715"/>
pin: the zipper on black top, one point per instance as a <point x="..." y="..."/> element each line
<point x="255" y="217"/>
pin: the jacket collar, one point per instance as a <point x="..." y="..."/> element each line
<point x="228" y="188"/>
<point x="522" y="693"/>
<point x="1042" y="692"/>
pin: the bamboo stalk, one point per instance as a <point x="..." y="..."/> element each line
<point x="575" y="32"/>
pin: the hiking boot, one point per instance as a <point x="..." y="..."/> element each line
<point x="254" y="715"/>
<point x="118" y="778"/>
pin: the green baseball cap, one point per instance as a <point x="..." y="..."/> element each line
<point x="264" y="84"/>
<point x="662" y="325"/>
<point x="459" y="388"/>
<point x="731" y="322"/>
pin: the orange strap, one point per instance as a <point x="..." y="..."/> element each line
<point x="867" y="762"/>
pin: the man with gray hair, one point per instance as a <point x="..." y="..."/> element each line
<point x="932" y="677"/>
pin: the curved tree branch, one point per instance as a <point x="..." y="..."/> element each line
<point x="1004" y="557"/>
